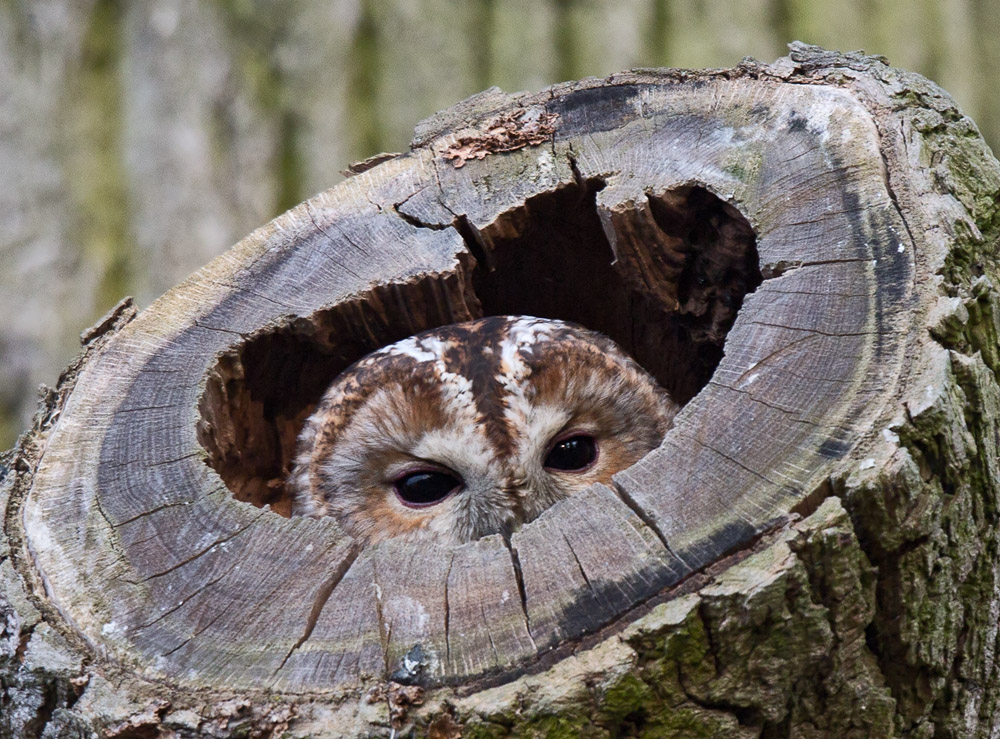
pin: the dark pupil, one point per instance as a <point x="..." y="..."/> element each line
<point x="573" y="453"/>
<point x="424" y="488"/>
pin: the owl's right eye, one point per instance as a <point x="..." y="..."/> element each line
<point x="573" y="454"/>
<point x="425" y="487"/>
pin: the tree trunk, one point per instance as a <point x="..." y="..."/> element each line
<point x="801" y="252"/>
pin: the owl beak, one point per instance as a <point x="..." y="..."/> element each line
<point x="517" y="482"/>
<point x="515" y="492"/>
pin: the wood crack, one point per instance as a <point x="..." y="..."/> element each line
<point x="489" y="635"/>
<point x="150" y="512"/>
<point x="843" y="335"/>
<point x="447" y="612"/>
<point x="787" y="370"/>
<point x="821" y="217"/>
<point x="784" y="267"/>
<point x="343" y="236"/>
<point x="779" y="352"/>
<point x="332" y="240"/>
<point x="474" y="242"/>
<point x="219" y="329"/>
<point x="198" y="632"/>
<point x="248" y="290"/>
<point x="414" y="220"/>
<point x="519" y="578"/>
<point x="118" y="463"/>
<point x="890" y="190"/>
<point x="648" y="521"/>
<point x="320" y="601"/>
<point x="181" y="602"/>
<point x="728" y="458"/>
<point x="579" y="566"/>
<point x="384" y="628"/>
<point x="817" y="294"/>
<point x="203" y="551"/>
<point x="791" y="414"/>
<point x="139" y="408"/>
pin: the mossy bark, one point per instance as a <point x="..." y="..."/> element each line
<point x="871" y="610"/>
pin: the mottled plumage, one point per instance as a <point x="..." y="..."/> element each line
<point x="474" y="428"/>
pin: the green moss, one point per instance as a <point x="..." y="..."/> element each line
<point x="736" y="169"/>
<point x="656" y="706"/>
<point x="560" y="727"/>
<point x="628" y="699"/>
<point x="627" y="695"/>
<point x="958" y="158"/>
<point x="485" y="731"/>
<point x="759" y="649"/>
<point x="745" y="167"/>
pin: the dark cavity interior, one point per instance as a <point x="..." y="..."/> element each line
<point x="667" y="293"/>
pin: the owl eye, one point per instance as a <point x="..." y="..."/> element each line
<point x="573" y="454"/>
<point x="425" y="487"/>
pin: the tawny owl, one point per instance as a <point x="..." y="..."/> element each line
<point x="473" y="429"/>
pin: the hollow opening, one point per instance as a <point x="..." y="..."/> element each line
<point x="552" y="259"/>
<point x="259" y="394"/>
<point x="667" y="291"/>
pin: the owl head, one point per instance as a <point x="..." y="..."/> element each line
<point x="474" y="429"/>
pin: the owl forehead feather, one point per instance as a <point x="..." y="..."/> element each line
<point x="474" y="372"/>
<point x="462" y="348"/>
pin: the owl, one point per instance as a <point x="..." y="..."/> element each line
<point x="474" y="429"/>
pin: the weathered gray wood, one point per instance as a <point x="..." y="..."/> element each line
<point x="346" y="640"/>
<point x="855" y="387"/>
<point x="719" y="495"/>
<point x="485" y="611"/>
<point x="584" y="562"/>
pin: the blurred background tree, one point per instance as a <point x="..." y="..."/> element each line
<point x="139" y="140"/>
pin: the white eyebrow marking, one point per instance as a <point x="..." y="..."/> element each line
<point x="423" y="349"/>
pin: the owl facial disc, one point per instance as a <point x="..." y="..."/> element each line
<point x="474" y="429"/>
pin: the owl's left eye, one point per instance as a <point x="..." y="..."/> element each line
<point x="425" y="487"/>
<point x="573" y="454"/>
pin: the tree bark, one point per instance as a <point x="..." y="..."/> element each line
<point x="801" y="252"/>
